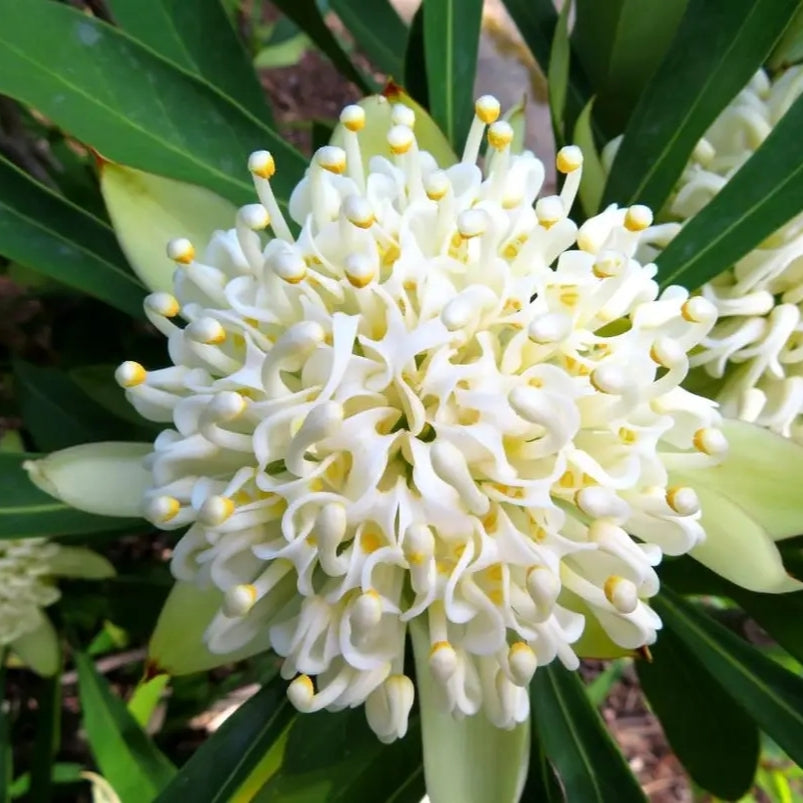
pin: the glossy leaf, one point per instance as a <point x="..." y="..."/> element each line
<point x="451" y="42"/>
<point x="57" y="413"/>
<point x="558" y="74"/>
<point x="763" y="195"/>
<point x="378" y="31"/>
<point x="27" y="511"/>
<point x="97" y="382"/>
<point x="770" y="694"/>
<point x="146" y="697"/>
<point x="593" y="181"/>
<point x="308" y="17"/>
<point x="126" y="756"/>
<point x="576" y="741"/>
<point x="620" y="44"/>
<point x="224" y="762"/>
<point x="47" y="738"/>
<point x="536" y="21"/>
<point x="47" y="233"/>
<point x="789" y="49"/>
<point x="415" y="67"/>
<point x="715" y="740"/>
<point x="200" y="38"/>
<point x="132" y="106"/>
<point x="718" y="47"/>
<point x="148" y="211"/>
<point x="335" y="758"/>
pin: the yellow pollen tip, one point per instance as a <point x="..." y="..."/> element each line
<point x="130" y="374"/>
<point x="353" y="118"/>
<point x="487" y="109"/>
<point x="682" y="500"/>
<point x="304" y="682"/>
<point x="500" y="135"/>
<point x="181" y="250"/>
<point x="163" y="304"/>
<point x="569" y="159"/>
<point x="261" y="164"/>
<point x="215" y="510"/>
<point x="440" y="645"/>
<point x="710" y="441"/>
<point x="163" y="508"/>
<point x="331" y="158"/>
<point x="400" y="139"/>
<point x="638" y="218"/>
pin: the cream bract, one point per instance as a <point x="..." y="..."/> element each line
<point x="427" y="405"/>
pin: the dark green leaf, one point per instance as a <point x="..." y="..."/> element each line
<point x="716" y="741"/>
<point x="58" y="414"/>
<point x="536" y="21"/>
<point x="542" y="783"/>
<point x="770" y="694"/>
<point x="451" y="42"/>
<point x="126" y="756"/>
<point x="718" y="47"/>
<point x="575" y="740"/>
<point x="64" y="772"/>
<point x="336" y="758"/>
<point x="306" y="15"/>
<point x="415" y="68"/>
<point x="198" y="37"/>
<point x="97" y="382"/>
<point x="558" y="74"/>
<point x="763" y="195"/>
<point x="44" y="231"/>
<point x="26" y="511"/>
<point x="6" y="757"/>
<point x="378" y="31"/>
<point x="789" y="49"/>
<point x="593" y="180"/>
<point x="46" y="742"/>
<point x="128" y="103"/>
<point x="620" y="44"/>
<point x="224" y="762"/>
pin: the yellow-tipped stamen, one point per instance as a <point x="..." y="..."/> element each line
<point x="263" y="167"/>
<point x="710" y="441"/>
<point x="402" y="115"/>
<point x="289" y="266"/>
<point x="239" y="600"/>
<point x="698" y="310"/>
<point x="359" y="270"/>
<point x="130" y="374"/>
<point x="400" y="139"/>
<point x="215" y="510"/>
<point x="608" y="264"/>
<point x="207" y="331"/>
<point x="570" y="162"/>
<point x="163" y="304"/>
<point x="621" y="593"/>
<point x="181" y="250"/>
<point x="638" y="218"/>
<point x="486" y="111"/>
<point x="500" y="135"/>
<point x="331" y="158"/>
<point x="358" y="212"/>
<point x="683" y="500"/>
<point x="353" y="121"/>
<point x="250" y="220"/>
<point x="162" y="509"/>
<point x="549" y="211"/>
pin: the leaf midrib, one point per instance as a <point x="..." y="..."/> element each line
<point x="678" y="128"/>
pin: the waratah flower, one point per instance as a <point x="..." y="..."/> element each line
<point x="28" y="571"/>
<point x="755" y="349"/>
<point x="426" y="410"/>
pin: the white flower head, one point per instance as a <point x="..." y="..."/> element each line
<point x="757" y="343"/>
<point x="26" y="585"/>
<point x="428" y="407"/>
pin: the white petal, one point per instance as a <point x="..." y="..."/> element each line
<point x="105" y="478"/>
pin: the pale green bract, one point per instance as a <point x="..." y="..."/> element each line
<point x="426" y="411"/>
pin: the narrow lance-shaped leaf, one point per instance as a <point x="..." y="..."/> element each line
<point x="620" y="44"/>
<point x="558" y="75"/>
<point x="593" y="181"/>
<point x="770" y="694"/>
<point x="716" y="741"/>
<point x="44" y="231"/>
<point x="199" y="37"/>
<point x="224" y="762"/>
<point x="378" y="31"/>
<point x="575" y="740"/>
<point x="126" y="756"/>
<point x="451" y="42"/>
<point x="307" y="16"/>
<point x="718" y="47"/>
<point x="131" y="105"/>
<point x="763" y="195"/>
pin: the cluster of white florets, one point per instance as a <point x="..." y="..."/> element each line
<point x="756" y="347"/>
<point x="428" y="405"/>
<point x="26" y="585"/>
